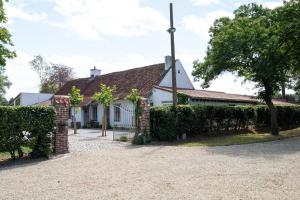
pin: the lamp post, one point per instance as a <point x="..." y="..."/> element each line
<point x="172" y="30"/>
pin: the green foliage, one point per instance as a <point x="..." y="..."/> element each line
<point x="182" y="99"/>
<point x="5" y="52"/>
<point x="21" y="126"/>
<point x="123" y="138"/>
<point x="134" y="96"/>
<point x="138" y="140"/>
<point x="162" y="123"/>
<point x="195" y="120"/>
<point x="259" y="45"/>
<point x="52" y="76"/>
<point x="75" y="97"/>
<point x="105" y="96"/>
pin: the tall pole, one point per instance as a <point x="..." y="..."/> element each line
<point x="172" y="30"/>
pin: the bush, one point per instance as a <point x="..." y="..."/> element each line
<point x="123" y="138"/>
<point x="163" y="123"/>
<point x="168" y="123"/>
<point x="138" y="140"/>
<point x="26" y="126"/>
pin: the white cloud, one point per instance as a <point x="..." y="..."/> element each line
<point x="17" y="11"/>
<point x="94" y="19"/>
<point x="205" y="2"/>
<point x="272" y="4"/>
<point x="201" y="25"/>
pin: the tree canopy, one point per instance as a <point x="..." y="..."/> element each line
<point x="75" y="97"/>
<point x="5" y="51"/>
<point x="104" y="97"/>
<point x="256" y="45"/>
<point x="52" y="76"/>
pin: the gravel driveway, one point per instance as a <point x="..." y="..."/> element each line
<point x="255" y="171"/>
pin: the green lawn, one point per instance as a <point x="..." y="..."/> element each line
<point x="6" y="155"/>
<point x="240" y="139"/>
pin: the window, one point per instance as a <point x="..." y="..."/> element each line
<point x="117" y="113"/>
<point x="95" y="113"/>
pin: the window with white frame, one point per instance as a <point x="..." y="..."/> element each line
<point x="95" y="113"/>
<point x="117" y="113"/>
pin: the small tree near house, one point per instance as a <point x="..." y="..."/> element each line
<point x="75" y="99"/>
<point x="104" y="97"/>
<point x="135" y="98"/>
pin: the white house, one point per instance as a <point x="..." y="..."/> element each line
<point x="154" y="83"/>
<point x="29" y="99"/>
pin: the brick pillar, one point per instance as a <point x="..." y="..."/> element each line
<point x="60" y="136"/>
<point x="145" y="116"/>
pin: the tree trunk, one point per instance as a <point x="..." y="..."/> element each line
<point x="74" y="121"/>
<point x="103" y="121"/>
<point x="273" y="115"/>
<point x="105" y="128"/>
<point x="283" y="91"/>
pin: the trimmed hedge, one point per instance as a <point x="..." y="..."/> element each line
<point x="26" y="126"/>
<point x="167" y="123"/>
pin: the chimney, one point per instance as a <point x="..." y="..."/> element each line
<point x="95" y="72"/>
<point x="168" y="62"/>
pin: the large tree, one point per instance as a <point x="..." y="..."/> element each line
<point x="5" y="52"/>
<point x="52" y="76"/>
<point x="252" y="46"/>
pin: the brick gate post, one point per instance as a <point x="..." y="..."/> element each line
<point x="145" y="116"/>
<point x="60" y="136"/>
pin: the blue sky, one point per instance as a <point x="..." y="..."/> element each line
<point x="113" y="35"/>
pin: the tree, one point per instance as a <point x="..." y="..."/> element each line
<point x="75" y="99"/>
<point x="251" y="46"/>
<point x="135" y="98"/>
<point x="5" y="52"/>
<point x="52" y="76"/>
<point x="104" y="97"/>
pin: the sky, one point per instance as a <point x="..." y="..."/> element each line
<point x="114" y="35"/>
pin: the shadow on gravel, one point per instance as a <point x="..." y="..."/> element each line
<point x="23" y="162"/>
<point x="268" y="150"/>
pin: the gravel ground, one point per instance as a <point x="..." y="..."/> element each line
<point x="90" y="140"/>
<point x="255" y="171"/>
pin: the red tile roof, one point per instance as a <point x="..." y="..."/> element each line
<point x="143" y="78"/>
<point x="222" y="96"/>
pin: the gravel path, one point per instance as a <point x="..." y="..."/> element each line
<point x="255" y="171"/>
<point x="90" y="140"/>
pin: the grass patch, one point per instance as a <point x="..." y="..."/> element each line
<point x="240" y="139"/>
<point x="6" y="155"/>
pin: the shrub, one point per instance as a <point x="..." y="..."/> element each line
<point x="166" y="122"/>
<point x="123" y="138"/>
<point x="163" y="123"/>
<point x="138" y="140"/>
<point x="31" y="126"/>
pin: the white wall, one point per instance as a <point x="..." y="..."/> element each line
<point x="160" y="97"/>
<point x="28" y="99"/>
<point x="79" y="115"/>
<point x="183" y="80"/>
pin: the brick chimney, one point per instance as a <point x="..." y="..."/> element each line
<point x="168" y="62"/>
<point x="95" y="72"/>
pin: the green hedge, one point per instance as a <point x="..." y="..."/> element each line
<point x="194" y="120"/>
<point x="26" y="126"/>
